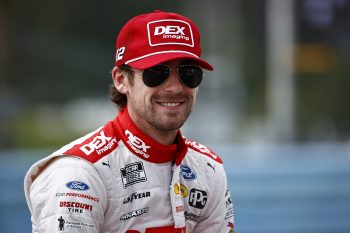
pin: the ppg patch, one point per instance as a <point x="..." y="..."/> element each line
<point x="198" y="198"/>
<point x="133" y="173"/>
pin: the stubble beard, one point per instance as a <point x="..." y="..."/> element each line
<point x="167" y="123"/>
<point x="162" y="122"/>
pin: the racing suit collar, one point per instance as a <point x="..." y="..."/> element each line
<point x="146" y="147"/>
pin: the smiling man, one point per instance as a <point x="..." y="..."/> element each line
<point x="159" y="107"/>
<point x="138" y="173"/>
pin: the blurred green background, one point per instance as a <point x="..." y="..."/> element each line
<point x="276" y="106"/>
<point x="281" y="72"/>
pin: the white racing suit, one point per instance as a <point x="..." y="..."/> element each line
<point x="117" y="179"/>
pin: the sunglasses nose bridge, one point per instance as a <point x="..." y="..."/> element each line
<point x="173" y="82"/>
<point x="174" y="70"/>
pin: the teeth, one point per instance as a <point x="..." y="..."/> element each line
<point x="170" y="104"/>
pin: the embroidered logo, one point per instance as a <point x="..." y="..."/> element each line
<point x="77" y="185"/>
<point x="182" y="190"/>
<point x="135" y="196"/>
<point x="133" y="214"/>
<point x="100" y="143"/>
<point x="133" y="173"/>
<point x="187" y="172"/>
<point x="137" y="144"/>
<point x="198" y="198"/>
<point x="170" y="31"/>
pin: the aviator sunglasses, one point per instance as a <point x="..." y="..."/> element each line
<point x="190" y="75"/>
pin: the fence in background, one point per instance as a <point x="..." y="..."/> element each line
<point x="276" y="189"/>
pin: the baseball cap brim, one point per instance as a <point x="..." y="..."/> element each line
<point x="155" y="59"/>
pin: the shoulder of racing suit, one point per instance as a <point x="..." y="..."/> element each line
<point x="96" y="145"/>
<point x="103" y="141"/>
<point x="203" y="150"/>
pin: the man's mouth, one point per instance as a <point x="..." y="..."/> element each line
<point x="170" y="104"/>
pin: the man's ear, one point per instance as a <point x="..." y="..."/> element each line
<point x="120" y="80"/>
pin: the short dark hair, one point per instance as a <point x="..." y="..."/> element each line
<point x="118" y="98"/>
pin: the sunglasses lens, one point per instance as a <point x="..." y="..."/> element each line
<point x="191" y="76"/>
<point x="155" y="75"/>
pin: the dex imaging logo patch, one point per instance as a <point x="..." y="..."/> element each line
<point x="101" y="143"/>
<point x="133" y="173"/>
<point x="137" y="144"/>
<point x="170" y="31"/>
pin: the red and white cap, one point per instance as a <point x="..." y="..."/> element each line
<point x="150" y="39"/>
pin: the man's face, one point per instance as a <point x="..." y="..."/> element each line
<point x="165" y="107"/>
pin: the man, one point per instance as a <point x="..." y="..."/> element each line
<point x="138" y="173"/>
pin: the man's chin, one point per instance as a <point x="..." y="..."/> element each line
<point x="170" y="125"/>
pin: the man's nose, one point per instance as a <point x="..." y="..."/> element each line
<point x="174" y="83"/>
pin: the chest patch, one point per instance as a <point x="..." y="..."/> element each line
<point x="133" y="173"/>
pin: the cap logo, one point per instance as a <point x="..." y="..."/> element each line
<point x="170" y="32"/>
<point x="120" y="53"/>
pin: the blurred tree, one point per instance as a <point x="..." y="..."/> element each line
<point x="54" y="52"/>
<point x="322" y="68"/>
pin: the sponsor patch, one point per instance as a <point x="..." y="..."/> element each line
<point x="231" y="226"/>
<point x="229" y="213"/>
<point x="133" y="173"/>
<point x="101" y="143"/>
<point x="135" y="196"/>
<point x="106" y="164"/>
<point x="133" y="214"/>
<point x="181" y="190"/>
<point x="198" y="198"/>
<point x="75" y="207"/>
<point x="170" y="31"/>
<point x="211" y="166"/>
<point x="229" y="205"/>
<point x="228" y="199"/>
<point x="191" y="217"/>
<point x="203" y="149"/>
<point x="137" y="144"/>
<point x="187" y="172"/>
<point x="179" y="208"/>
<point x="228" y="202"/>
<point x="79" y="195"/>
<point x="77" y="185"/>
<point x="63" y="225"/>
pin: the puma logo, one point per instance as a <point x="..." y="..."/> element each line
<point x="213" y="167"/>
